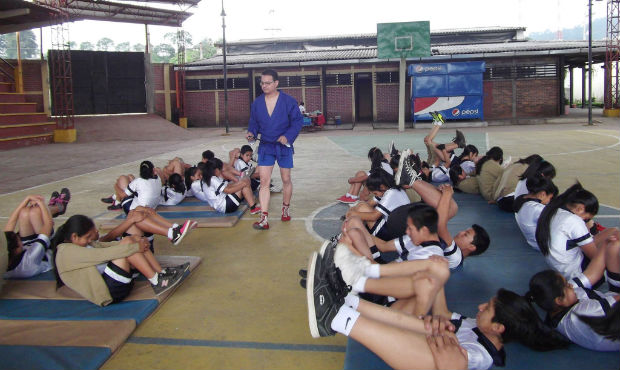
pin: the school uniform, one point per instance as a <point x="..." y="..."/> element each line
<point x="391" y="199"/>
<point x="241" y="165"/>
<point x="142" y="192"/>
<point x="521" y="188"/>
<point x="591" y="303"/>
<point x="489" y="174"/>
<point x="407" y="251"/>
<point x="568" y="234"/>
<point x="481" y="353"/>
<point x="170" y="197"/>
<point x="527" y="213"/>
<point x="216" y="197"/>
<point x="469" y="167"/>
<point x="440" y="174"/>
<point x="385" y="167"/>
<point x="34" y="260"/>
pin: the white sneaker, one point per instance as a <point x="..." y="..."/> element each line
<point x="507" y="162"/>
<point x="351" y="266"/>
<point x="275" y="188"/>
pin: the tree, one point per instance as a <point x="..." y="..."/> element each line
<point x="138" y="47"/>
<point x="105" y="44"/>
<point x="123" y="46"/>
<point x="87" y="46"/>
<point x="172" y="39"/>
<point x="207" y="48"/>
<point x="163" y="53"/>
<point x="72" y="45"/>
<point x="28" y="43"/>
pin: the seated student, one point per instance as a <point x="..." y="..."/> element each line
<point x="506" y="185"/>
<point x="192" y="175"/>
<point x="244" y="165"/>
<point x="566" y="242"/>
<point x="146" y="190"/>
<point x="467" y="160"/>
<point x="438" y="152"/>
<point x="175" y="165"/>
<point x="173" y="192"/>
<point x="388" y="196"/>
<point x="400" y="339"/>
<point x="537" y="167"/>
<point x="529" y="206"/>
<point x="357" y="189"/>
<point x="488" y="171"/>
<point x="228" y="170"/>
<point x="101" y="272"/>
<point x="220" y="194"/>
<point x="565" y="301"/>
<point x="29" y="251"/>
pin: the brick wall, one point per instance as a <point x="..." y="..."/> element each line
<point x="238" y="108"/>
<point x="32" y="75"/>
<point x="497" y="100"/>
<point x="537" y="98"/>
<point x="200" y="108"/>
<point x="387" y="103"/>
<point x="313" y="99"/>
<point x="295" y="92"/>
<point x="339" y="102"/>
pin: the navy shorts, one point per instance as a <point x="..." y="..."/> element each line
<point x="119" y="282"/>
<point x="275" y="152"/>
<point x="232" y="203"/>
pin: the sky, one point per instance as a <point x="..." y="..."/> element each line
<point x="249" y="19"/>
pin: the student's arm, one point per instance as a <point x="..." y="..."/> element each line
<point x="373" y="215"/>
<point x="133" y="217"/>
<point x="233" y="188"/>
<point x="46" y="216"/>
<point x="12" y="222"/>
<point x="358" y="179"/>
<point x="443" y="210"/>
<point x="589" y="250"/>
<point x="446" y="158"/>
<point x="384" y="246"/>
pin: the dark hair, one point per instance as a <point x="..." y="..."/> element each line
<point x="395" y="161"/>
<point x="76" y="224"/>
<point x="539" y="168"/>
<point x="301" y="103"/>
<point x="537" y="184"/>
<point x="495" y="153"/>
<point x="376" y="157"/>
<point x="378" y="177"/>
<point x="608" y="326"/>
<point x="175" y="182"/>
<point x="208" y="155"/>
<point x="481" y="240"/>
<point x="454" y="173"/>
<point x="270" y="72"/>
<point x="521" y="323"/>
<point x="188" y="176"/>
<point x="530" y="159"/>
<point x="147" y="170"/>
<point x="469" y="149"/>
<point x="545" y="286"/>
<point x="576" y="194"/>
<point x="424" y="215"/>
<point x="245" y="148"/>
<point x="12" y="244"/>
<point x="210" y="168"/>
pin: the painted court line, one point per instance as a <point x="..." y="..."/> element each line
<point x="231" y="344"/>
<point x="589" y="150"/>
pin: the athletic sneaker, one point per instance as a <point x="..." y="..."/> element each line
<point x="351" y="266"/>
<point x="63" y="200"/>
<point x="108" y="200"/>
<point x="286" y="214"/>
<point x="506" y="162"/>
<point x="255" y="210"/>
<point x="115" y="207"/>
<point x="323" y="305"/>
<point x="404" y="155"/>
<point x="392" y="150"/>
<point x="274" y="188"/>
<point x="180" y="269"/>
<point x="438" y="119"/>
<point x="262" y="224"/>
<point x="53" y="198"/>
<point x="303" y="273"/>
<point x="179" y="232"/>
<point x="459" y="139"/>
<point x="166" y="281"/>
<point x="193" y="225"/>
<point x="409" y="174"/>
<point x="415" y="162"/>
<point x="346" y="200"/>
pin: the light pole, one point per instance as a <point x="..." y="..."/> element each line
<point x="589" y="62"/>
<point x="225" y="69"/>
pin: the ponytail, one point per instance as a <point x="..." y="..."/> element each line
<point x="76" y="224"/>
<point x="576" y="194"/>
<point x="188" y="176"/>
<point x="545" y="287"/>
<point x="209" y="171"/>
<point x="537" y="184"/>
<point x="608" y="326"/>
<point x="522" y="323"/>
<point x="147" y="170"/>
<point x="469" y="149"/>
<point x="378" y="177"/>
<point x="530" y="159"/>
<point x="495" y="153"/>
<point x="376" y="157"/>
<point x="538" y="167"/>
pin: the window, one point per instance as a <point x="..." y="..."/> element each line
<point x="520" y="71"/>
<point x="312" y="80"/>
<point x="338" y="79"/>
<point x="386" y="77"/>
<point x="216" y="84"/>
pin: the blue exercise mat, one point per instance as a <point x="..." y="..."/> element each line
<point x="52" y="358"/>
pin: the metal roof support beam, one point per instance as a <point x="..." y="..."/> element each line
<point x="14" y="13"/>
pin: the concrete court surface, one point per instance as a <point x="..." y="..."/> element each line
<point x="243" y="307"/>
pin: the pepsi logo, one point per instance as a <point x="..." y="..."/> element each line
<point x="419" y="68"/>
<point x="456" y="112"/>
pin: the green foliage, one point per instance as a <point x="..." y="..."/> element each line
<point x="163" y="53"/>
<point x="28" y="44"/>
<point x="105" y="44"/>
<point x="87" y="46"/>
<point x="123" y="46"/>
<point x="138" y="47"/>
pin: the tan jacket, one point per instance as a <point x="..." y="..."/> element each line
<point x="490" y="172"/>
<point x="469" y="185"/>
<point x="507" y="183"/>
<point x="77" y="267"/>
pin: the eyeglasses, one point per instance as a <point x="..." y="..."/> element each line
<point x="266" y="83"/>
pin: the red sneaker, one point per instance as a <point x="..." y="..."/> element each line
<point x="255" y="210"/>
<point x="347" y="200"/>
<point x="262" y="224"/>
<point x="286" y="216"/>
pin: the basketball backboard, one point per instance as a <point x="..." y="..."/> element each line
<point x="404" y="40"/>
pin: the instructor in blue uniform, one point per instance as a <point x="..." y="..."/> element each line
<point x="276" y="117"/>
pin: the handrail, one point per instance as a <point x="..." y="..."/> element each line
<point x="11" y="74"/>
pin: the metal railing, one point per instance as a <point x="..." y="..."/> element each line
<point x="11" y="69"/>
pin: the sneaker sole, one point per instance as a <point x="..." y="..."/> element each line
<point x="344" y="202"/>
<point x="314" y="328"/>
<point x="324" y="247"/>
<point x="170" y="286"/>
<point x="258" y="227"/>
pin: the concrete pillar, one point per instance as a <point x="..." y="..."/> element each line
<point x="402" y="71"/>
<point x="583" y="86"/>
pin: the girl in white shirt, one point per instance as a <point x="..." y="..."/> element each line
<point x="529" y="206"/>
<point x="173" y="192"/>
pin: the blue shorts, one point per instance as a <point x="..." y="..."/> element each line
<point x="282" y="154"/>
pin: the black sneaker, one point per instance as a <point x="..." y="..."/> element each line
<point x="322" y="303"/>
<point x="115" y="207"/>
<point x="405" y="154"/>
<point x="179" y="232"/>
<point x="415" y="162"/>
<point x="302" y="282"/>
<point x="108" y="200"/>
<point x="181" y="269"/>
<point x="303" y="273"/>
<point x="459" y="139"/>
<point x="166" y="281"/>
<point x="392" y="150"/>
<point x="63" y="200"/>
<point x="409" y="174"/>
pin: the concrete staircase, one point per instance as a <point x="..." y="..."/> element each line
<point x="20" y="123"/>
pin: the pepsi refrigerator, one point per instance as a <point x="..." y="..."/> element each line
<point x="454" y="89"/>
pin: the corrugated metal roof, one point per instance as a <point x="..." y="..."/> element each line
<point x="371" y="52"/>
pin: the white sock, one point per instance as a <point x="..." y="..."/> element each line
<point x="354" y="196"/>
<point x="155" y="279"/>
<point x="349" y="195"/>
<point x="175" y="225"/>
<point x="359" y="285"/>
<point x="114" y="197"/>
<point x="170" y="233"/>
<point x="352" y="300"/>
<point x="373" y="271"/>
<point x="344" y="320"/>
